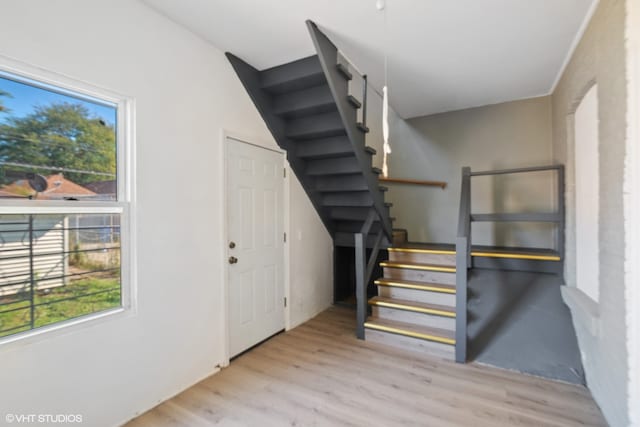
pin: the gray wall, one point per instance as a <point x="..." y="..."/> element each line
<point x="599" y="58"/>
<point x="508" y="135"/>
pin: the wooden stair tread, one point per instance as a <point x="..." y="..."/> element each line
<point x="538" y="256"/>
<point x="509" y="253"/>
<point x="418" y="266"/>
<point x="415" y="249"/>
<point x="421" y="286"/>
<point x="410" y="330"/>
<point x="418" y="307"/>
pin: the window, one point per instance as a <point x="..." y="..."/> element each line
<point x="587" y="194"/>
<point x="63" y="204"/>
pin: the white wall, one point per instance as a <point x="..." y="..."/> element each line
<point x="508" y="135"/>
<point x="186" y="93"/>
<point x="632" y="209"/>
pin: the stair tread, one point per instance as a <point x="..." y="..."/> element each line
<point x="370" y="150"/>
<point x="409" y="305"/>
<point x="314" y="100"/>
<point x="424" y="249"/>
<point x="293" y="76"/>
<point x="352" y="189"/>
<point x="493" y="253"/>
<point x="422" y="286"/>
<point x="344" y="71"/>
<point x="411" y="330"/>
<point x="419" y="266"/>
<point x="354" y="101"/>
<point x="362" y="127"/>
<point x="486" y="251"/>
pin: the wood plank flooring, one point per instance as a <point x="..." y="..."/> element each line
<point x="319" y="374"/>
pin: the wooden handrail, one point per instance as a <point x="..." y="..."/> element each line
<point x="440" y="184"/>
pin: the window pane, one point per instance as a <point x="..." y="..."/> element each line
<point x="57" y="267"/>
<point x="55" y="145"/>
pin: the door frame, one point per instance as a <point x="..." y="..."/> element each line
<point x="223" y="226"/>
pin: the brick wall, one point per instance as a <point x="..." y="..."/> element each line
<point x="600" y="57"/>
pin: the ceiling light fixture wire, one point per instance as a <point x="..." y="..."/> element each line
<point x="386" y="147"/>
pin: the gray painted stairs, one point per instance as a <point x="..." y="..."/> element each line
<point x="311" y="115"/>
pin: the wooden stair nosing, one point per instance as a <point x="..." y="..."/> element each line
<point x="417" y="266"/>
<point x="417" y="307"/>
<point x="511" y="255"/>
<point x="480" y="253"/>
<point x="420" y="286"/>
<point x="409" y="330"/>
<point x="423" y="251"/>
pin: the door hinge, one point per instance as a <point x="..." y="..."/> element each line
<point x="284" y="172"/>
<point x="285" y="301"/>
<point x="285" y="237"/>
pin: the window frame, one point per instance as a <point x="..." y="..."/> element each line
<point x="125" y="187"/>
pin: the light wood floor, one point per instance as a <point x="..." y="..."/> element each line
<point x="318" y="374"/>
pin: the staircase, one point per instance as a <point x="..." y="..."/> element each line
<point x="416" y="304"/>
<point x="422" y="298"/>
<point x="307" y="106"/>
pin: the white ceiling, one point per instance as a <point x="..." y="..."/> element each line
<point x="443" y="55"/>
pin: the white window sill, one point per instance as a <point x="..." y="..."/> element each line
<point x="63" y="327"/>
<point x="583" y="308"/>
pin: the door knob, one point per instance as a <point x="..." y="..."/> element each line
<point x="232" y="245"/>
<point x="233" y="260"/>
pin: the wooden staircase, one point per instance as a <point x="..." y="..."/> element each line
<point x="416" y="304"/>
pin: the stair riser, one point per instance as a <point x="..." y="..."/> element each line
<point x="317" y="126"/>
<point x="422" y="258"/>
<point x="348" y="199"/>
<point x="554" y="267"/>
<point x="421" y="319"/>
<point x="417" y="296"/>
<point x="325" y="147"/>
<point x="338" y="183"/>
<point x="420" y="276"/>
<point x="414" y="345"/>
<point x="344" y="165"/>
<point x="351" y="213"/>
<point x="399" y="237"/>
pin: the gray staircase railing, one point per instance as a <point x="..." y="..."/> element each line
<point x="463" y="262"/>
<point x="364" y="269"/>
<point x="463" y="240"/>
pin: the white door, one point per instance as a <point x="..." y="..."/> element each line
<point x="255" y="248"/>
